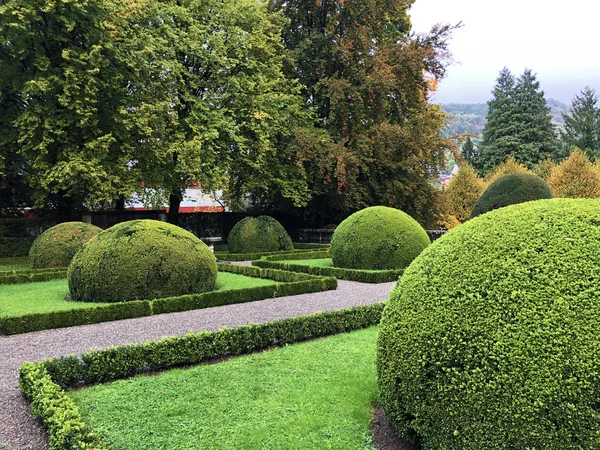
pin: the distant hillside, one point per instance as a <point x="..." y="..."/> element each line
<point x="470" y="117"/>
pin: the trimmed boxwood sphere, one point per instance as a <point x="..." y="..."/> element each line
<point x="258" y="234"/>
<point x="377" y="238"/>
<point x="141" y="259"/>
<point x="511" y="189"/>
<point x="491" y="337"/>
<point x="56" y="246"/>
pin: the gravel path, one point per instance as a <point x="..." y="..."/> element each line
<point x="19" y="429"/>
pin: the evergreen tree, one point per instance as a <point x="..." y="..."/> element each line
<point x="518" y="124"/>
<point x="469" y="152"/>
<point x="582" y="124"/>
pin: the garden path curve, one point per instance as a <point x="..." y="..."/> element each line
<point x="20" y="430"/>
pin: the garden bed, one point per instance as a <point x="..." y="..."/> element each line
<point x="221" y="252"/>
<point x="319" y="263"/>
<point x="325" y="408"/>
<point x="24" y="313"/>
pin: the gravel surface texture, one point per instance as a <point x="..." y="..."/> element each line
<point x="19" y="429"/>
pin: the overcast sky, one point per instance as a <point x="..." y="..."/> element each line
<point x="560" y="41"/>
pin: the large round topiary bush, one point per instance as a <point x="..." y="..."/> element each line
<point x="258" y="234"/>
<point x="141" y="259"/>
<point x="490" y="340"/>
<point x="377" y="238"/>
<point x="56" y="246"/>
<point x="511" y="189"/>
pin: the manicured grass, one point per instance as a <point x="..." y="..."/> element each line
<point x="10" y="264"/>
<point x="27" y="298"/>
<point x="315" y="395"/>
<point x="323" y="262"/>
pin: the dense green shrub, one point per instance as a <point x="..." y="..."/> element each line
<point x="511" y="189"/>
<point x="258" y="234"/>
<point x="490" y="338"/>
<point x="141" y="259"/>
<point x="14" y="247"/>
<point x="56" y="246"/>
<point x="377" y="238"/>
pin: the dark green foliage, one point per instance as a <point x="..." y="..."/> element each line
<point x="258" y="234"/>
<point x="518" y="124"/>
<point x="41" y="382"/>
<point x="290" y="283"/>
<point x="11" y="247"/>
<point x="377" y="238"/>
<point x="364" y="276"/>
<point x="56" y="246"/>
<point x="582" y="124"/>
<point x="490" y="338"/>
<point x="510" y="189"/>
<point x="469" y="151"/>
<point x="33" y="275"/>
<point x="141" y="259"/>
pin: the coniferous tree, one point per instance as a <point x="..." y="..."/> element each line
<point x="518" y="124"/>
<point x="469" y="152"/>
<point x="582" y="124"/>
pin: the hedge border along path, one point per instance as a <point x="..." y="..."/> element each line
<point x="19" y="429"/>
<point x="364" y="276"/>
<point x="290" y="283"/>
<point x="43" y="382"/>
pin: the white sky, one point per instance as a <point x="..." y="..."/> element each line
<point x="560" y="41"/>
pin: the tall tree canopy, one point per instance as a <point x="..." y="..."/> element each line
<point x="518" y="124"/>
<point x="367" y="79"/>
<point x="582" y="124"/>
<point x="101" y="97"/>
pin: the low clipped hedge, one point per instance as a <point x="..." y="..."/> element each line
<point x="377" y="238"/>
<point x="56" y="246"/>
<point x="511" y="189"/>
<point x="42" y="383"/>
<point x="289" y="284"/>
<point x="490" y="339"/>
<point x="141" y="259"/>
<point x="364" y="276"/>
<point x="258" y="234"/>
<point x="32" y="275"/>
<point x="226" y="256"/>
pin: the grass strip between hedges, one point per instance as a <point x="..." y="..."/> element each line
<point x="43" y="382"/>
<point x="289" y="283"/>
<point x="299" y="250"/>
<point x="364" y="276"/>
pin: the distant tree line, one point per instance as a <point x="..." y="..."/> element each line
<point x="519" y="126"/>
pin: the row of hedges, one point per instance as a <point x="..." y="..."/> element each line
<point x="41" y="382"/>
<point x="226" y="256"/>
<point x="32" y="275"/>
<point x="364" y="276"/>
<point x="295" y="283"/>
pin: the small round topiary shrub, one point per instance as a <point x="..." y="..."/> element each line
<point x="56" y="246"/>
<point x="141" y="259"/>
<point x="377" y="238"/>
<point x="490" y="338"/>
<point x="511" y="189"/>
<point x="258" y="234"/>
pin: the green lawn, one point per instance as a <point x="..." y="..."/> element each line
<point x="27" y="298"/>
<point x="323" y="262"/>
<point x="10" y="264"/>
<point x="314" y="395"/>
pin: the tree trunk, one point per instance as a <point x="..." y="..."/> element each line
<point x="174" y="202"/>
<point x="120" y="204"/>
